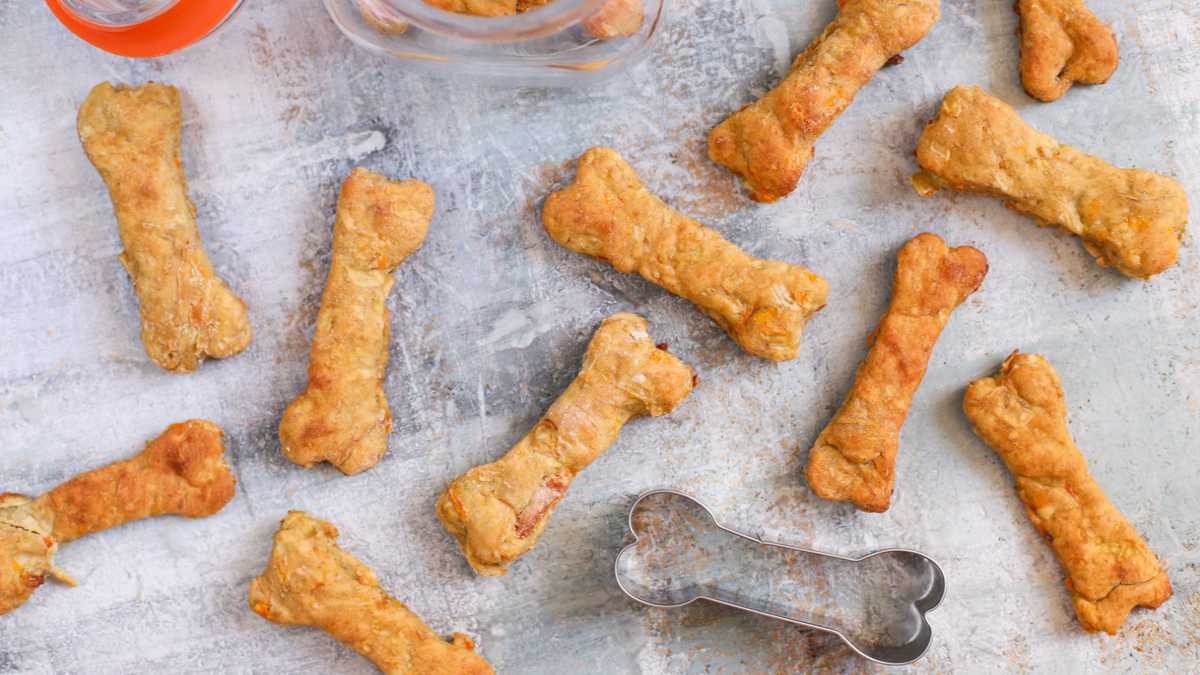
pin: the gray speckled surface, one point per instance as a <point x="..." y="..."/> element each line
<point x="491" y="317"/>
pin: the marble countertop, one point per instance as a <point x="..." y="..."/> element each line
<point x="490" y="319"/>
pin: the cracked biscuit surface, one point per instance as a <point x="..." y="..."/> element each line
<point x="132" y="136"/>
<point x="498" y="510"/>
<point x="311" y="581"/>
<point x="1129" y="219"/>
<point x="769" y="142"/>
<point x="343" y="415"/>
<point x="1062" y="43"/>
<point x="854" y="457"/>
<point x="181" y="472"/>
<point x="1021" y="413"/>
<point x="608" y="214"/>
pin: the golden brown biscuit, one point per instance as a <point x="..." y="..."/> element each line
<point x="182" y="472"/>
<point x="477" y="7"/>
<point x="311" y="581"/>
<point x="607" y="214"/>
<point x="381" y="17"/>
<point x="132" y="136"/>
<point x="854" y="458"/>
<point x="1062" y="43"/>
<point x="1130" y="219"/>
<point x="1022" y="414"/>
<point x="769" y="142"/>
<point x="497" y="511"/>
<point x="343" y="416"/>
<point x="615" y="18"/>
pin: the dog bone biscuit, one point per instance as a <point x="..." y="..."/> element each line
<point x="607" y="214"/>
<point x="311" y="581"/>
<point x="498" y="510"/>
<point x="1130" y="219"/>
<point x="1062" y="43"/>
<point x="854" y="458"/>
<point x="769" y="142"/>
<point x="132" y="136"/>
<point x="343" y="416"/>
<point x="615" y="18"/>
<point x="1021" y="413"/>
<point x="182" y="472"/>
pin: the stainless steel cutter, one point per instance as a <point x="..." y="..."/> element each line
<point x="876" y="604"/>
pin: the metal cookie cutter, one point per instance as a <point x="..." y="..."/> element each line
<point x="876" y="604"/>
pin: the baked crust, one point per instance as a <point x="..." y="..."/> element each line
<point x="1129" y="219"/>
<point x="608" y="214"/>
<point x="769" y="142"/>
<point x="1062" y="43"/>
<point x="182" y="472"/>
<point x="343" y="415"/>
<point x="310" y="581"/>
<point x="1021" y="413"/>
<point x="854" y="458"/>
<point x="132" y="136"/>
<point x="498" y="510"/>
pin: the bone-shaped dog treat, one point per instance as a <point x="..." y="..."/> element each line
<point x="343" y="416"/>
<point x="310" y="581"/>
<point x="182" y="472"/>
<point x="876" y="604"/>
<point x="769" y="142"/>
<point x="497" y="511"/>
<point x="615" y="18"/>
<point x="132" y="136"/>
<point x="1130" y="219"/>
<point x="1062" y="43"/>
<point x="854" y="458"/>
<point x="607" y="214"/>
<point x="1022" y="414"/>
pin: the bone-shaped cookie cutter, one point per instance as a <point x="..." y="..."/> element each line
<point x="876" y="604"/>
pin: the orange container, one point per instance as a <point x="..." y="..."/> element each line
<point x="162" y="27"/>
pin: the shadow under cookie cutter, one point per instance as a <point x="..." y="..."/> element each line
<point x="876" y="604"/>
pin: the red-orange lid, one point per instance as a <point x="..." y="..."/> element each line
<point x="176" y="28"/>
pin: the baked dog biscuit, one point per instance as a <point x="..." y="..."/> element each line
<point x="607" y="214"/>
<point x="182" y="472"/>
<point x="1129" y="219"/>
<point x="769" y="142"/>
<point x="132" y="136"/>
<point x="1062" y="43"/>
<point x="615" y="18"/>
<point x="1022" y="414"/>
<point x="311" y="581"/>
<point x="343" y="416"/>
<point x="854" y="458"/>
<point x="497" y="511"/>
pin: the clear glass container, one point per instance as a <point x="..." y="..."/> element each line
<point x="563" y="42"/>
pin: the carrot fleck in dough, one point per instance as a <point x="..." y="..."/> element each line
<point x="182" y="472"/>
<point x="498" y="510"/>
<point x="132" y="136"/>
<point x="1021" y="413"/>
<point x="1130" y="219"/>
<point x="1062" y="43"/>
<point x="769" y="142"/>
<point x="854" y="458"/>
<point x="607" y="214"/>
<point x="343" y="416"/>
<point x="311" y="581"/>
